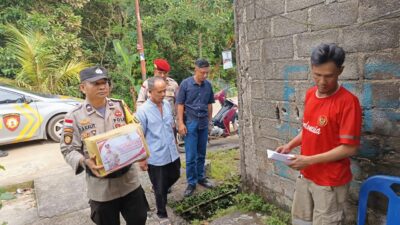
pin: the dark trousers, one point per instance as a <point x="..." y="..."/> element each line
<point x="195" y="149"/>
<point x="133" y="208"/>
<point x="162" y="178"/>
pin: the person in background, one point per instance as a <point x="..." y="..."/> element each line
<point x="161" y="69"/>
<point x="195" y="99"/>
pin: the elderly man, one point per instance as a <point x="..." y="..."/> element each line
<point x="164" y="164"/>
<point x="120" y="191"/>
<point x="330" y="135"/>
<point x="194" y="101"/>
<point x="161" y="69"/>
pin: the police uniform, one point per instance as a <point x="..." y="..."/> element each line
<point x="117" y="190"/>
<point x="170" y="95"/>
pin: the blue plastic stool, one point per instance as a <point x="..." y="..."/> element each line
<point x="380" y="184"/>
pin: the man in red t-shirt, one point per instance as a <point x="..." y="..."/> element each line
<point x="330" y="135"/>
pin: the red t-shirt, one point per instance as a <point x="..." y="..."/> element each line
<point x="329" y="122"/>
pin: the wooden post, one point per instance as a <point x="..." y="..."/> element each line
<point x="140" y="41"/>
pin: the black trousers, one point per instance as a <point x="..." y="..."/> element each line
<point x="162" y="178"/>
<point x="133" y="207"/>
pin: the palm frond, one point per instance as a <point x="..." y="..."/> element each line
<point x="68" y="73"/>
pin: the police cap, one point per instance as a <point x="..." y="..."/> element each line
<point x="93" y="73"/>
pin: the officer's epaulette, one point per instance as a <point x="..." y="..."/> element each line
<point x="115" y="100"/>
<point x="77" y="107"/>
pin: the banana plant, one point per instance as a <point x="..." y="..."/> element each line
<point x="126" y="63"/>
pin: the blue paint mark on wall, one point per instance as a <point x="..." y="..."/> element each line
<point x="283" y="170"/>
<point x="370" y="148"/>
<point x="288" y="93"/>
<point x="393" y="116"/>
<point x="381" y="67"/>
<point x="350" y="87"/>
<point x="367" y="104"/>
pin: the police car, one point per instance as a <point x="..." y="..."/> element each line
<point x="26" y="116"/>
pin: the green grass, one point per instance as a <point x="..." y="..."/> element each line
<point x="225" y="168"/>
<point x="224" y="164"/>
<point x="255" y="203"/>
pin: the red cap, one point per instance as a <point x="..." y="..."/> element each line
<point x="162" y="64"/>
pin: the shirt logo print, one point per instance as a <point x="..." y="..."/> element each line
<point x="322" y="121"/>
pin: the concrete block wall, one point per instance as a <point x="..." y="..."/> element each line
<point x="274" y="42"/>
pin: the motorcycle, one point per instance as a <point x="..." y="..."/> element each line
<point x="227" y="114"/>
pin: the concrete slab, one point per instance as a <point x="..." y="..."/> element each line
<point x="20" y="211"/>
<point x="239" y="218"/>
<point x="80" y="217"/>
<point x="60" y="193"/>
<point x="29" y="160"/>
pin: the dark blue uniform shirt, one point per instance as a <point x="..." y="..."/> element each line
<point x="195" y="98"/>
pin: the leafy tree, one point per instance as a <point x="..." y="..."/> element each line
<point x="56" y="19"/>
<point x="40" y="69"/>
<point x="178" y="30"/>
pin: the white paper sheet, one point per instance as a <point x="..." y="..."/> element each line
<point x="279" y="156"/>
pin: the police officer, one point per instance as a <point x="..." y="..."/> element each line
<point x="161" y="69"/>
<point x="120" y="191"/>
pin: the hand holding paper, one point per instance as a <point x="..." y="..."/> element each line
<point x="286" y="158"/>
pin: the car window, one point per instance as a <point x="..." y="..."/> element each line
<point x="7" y="97"/>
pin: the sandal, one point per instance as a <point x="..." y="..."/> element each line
<point x="3" y="153"/>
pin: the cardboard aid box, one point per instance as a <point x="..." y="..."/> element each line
<point x="118" y="148"/>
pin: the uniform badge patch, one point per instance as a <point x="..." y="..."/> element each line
<point x="68" y="130"/>
<point x="68" y="122"/>
<point x="84" y="121"/>
<point x="135" y="119"/>
<point x="98" y="71"/>
<point x="68" y="139"/>
<point x="89" y="108"/>
<point x="322" y="121"/>
<point x="85" y="135"/>
<point x="11" y="121"/>
<point x="118" y="113"/>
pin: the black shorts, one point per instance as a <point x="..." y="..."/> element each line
<point x="133" y="207"/>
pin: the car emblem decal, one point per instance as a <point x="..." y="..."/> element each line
<point x="118" y="113"/>
<point x="11" y="121"/>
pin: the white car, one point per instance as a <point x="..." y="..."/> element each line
<point x="26" y="116"/>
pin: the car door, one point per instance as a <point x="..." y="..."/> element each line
<point x="18" y="119"/>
